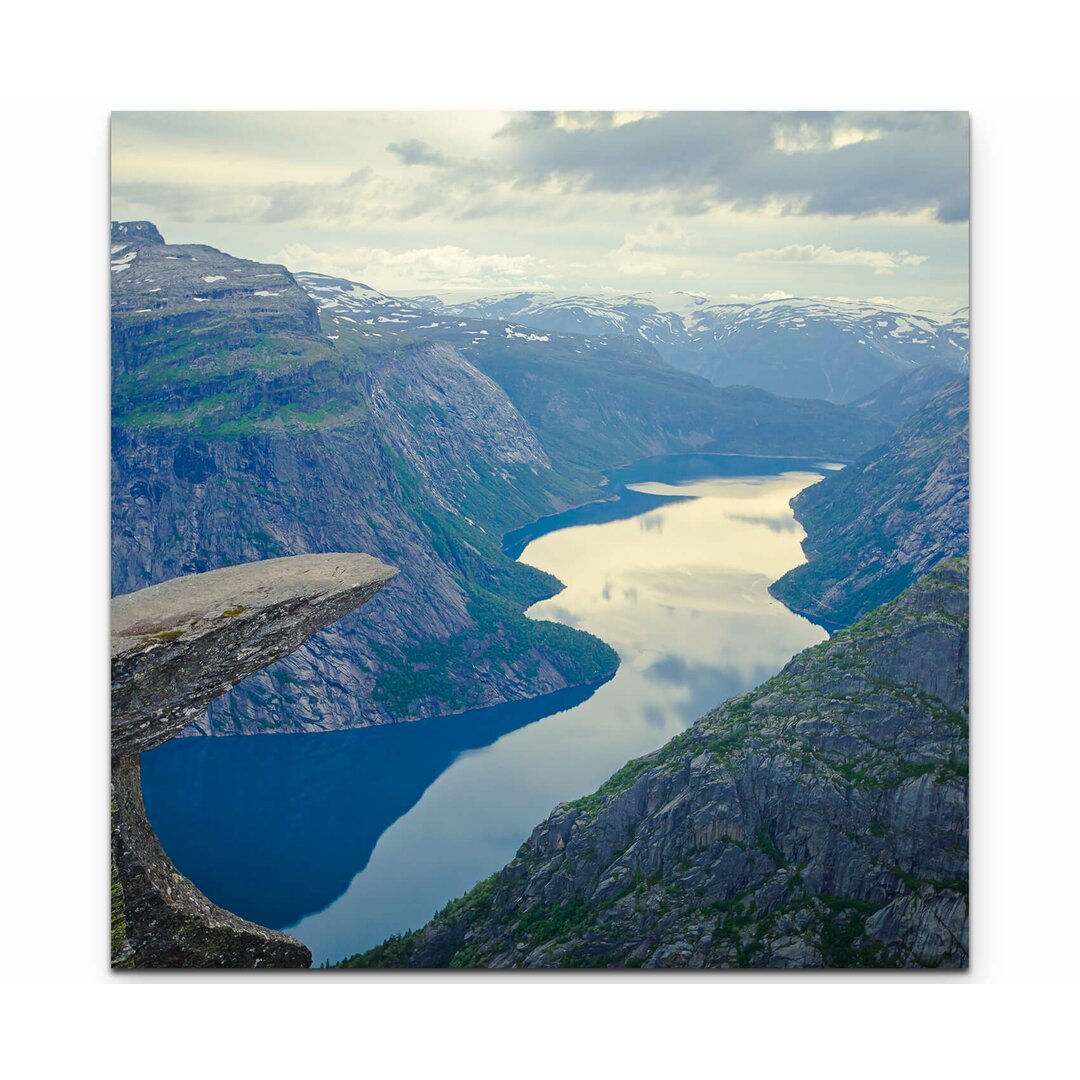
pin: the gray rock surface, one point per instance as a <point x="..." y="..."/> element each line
<point x="160" y="919"/>
<point x="897" y="399"/>
<point x="884" y="521"/>
<point x="818" y="821"/>
<point x="178" y="645"/>
<point x="175" y="647"/>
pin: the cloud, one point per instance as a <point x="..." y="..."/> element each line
<point x="189" y="202"/>
<point x="850" y="164"/>
<point x="417" y="152"/>
<point x="749" y="298"/>
<point x="571" y="121"/>
<point x="331" y="202"/>
<point x="881" y="262"/>
<point x="443" y="267"/>
<point x="624" y="201"/>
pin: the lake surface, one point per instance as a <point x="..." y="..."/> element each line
<point x="344" y="838"/>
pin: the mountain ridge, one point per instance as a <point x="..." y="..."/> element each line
<point x="839" y="350"/>
<point x="817" y="821"/>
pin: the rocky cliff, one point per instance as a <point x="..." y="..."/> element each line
<point x="885" y="520"/>
<point x="243" y="432"/>
<point x="175" y="647"/>
<point x="818" y="821"/>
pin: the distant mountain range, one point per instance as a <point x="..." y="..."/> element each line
<point x="837" y="350"/>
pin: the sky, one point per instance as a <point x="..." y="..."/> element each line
<point x="736" y="206"/>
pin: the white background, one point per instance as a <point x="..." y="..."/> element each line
<point x="65" y="69"/>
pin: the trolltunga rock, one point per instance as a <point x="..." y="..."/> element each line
<point x="175" y="647"/>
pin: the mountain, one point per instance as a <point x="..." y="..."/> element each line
<point x="598" y="400"/>
<point x="818" y="821"/>
<point x="241" y="431"/>
<point x="876" y="526"/>
<point x="251" y="421"/>
<point x="897" y="399"/>
<point x="630" y="316"/>
<point x="837" y="350"/>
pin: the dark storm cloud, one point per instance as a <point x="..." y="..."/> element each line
<point x="914" y="161"/>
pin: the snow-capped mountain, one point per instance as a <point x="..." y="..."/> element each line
<point x="834" y="349"/>
<point x="354" y="298"/>
<point x="839" y="350"/>
<point x="351" y="311"/>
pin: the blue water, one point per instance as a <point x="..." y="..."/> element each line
<point x="344" y="838"/>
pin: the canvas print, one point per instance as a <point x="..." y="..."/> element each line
<point x="539" y="540"/>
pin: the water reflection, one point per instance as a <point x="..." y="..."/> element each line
<point x="275" y="827"/>
<point x="348" y="837"/>
<point x="688" y="610"/>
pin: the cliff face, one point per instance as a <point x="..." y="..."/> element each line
<point x="242" y="434"/>
<point x="897" y="399"/>
<point x="820" y="820"/>
<point x="882" y="522"/>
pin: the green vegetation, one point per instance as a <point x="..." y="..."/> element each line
<point x="497" y="589"/>
<point x="620" y="781"/>
<point x="875" y="526"/>
<point x="503" y="639"/>
<point x="218" y="378"/>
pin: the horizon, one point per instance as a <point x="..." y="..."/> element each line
<point x="740" y="207"/>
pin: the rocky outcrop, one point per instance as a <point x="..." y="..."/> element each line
<point x="160" y="291"/>
<point x="175" y="647"/>
<point x="881" y="523"/>
<point x="178" y="645"/>
<point x="144" y="231"/>
<point x="818" y="821"/>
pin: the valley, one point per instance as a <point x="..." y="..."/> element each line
<point x="252" y="421"/>
<point x="605" y="522"/>
<point x="346" y="838"/>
